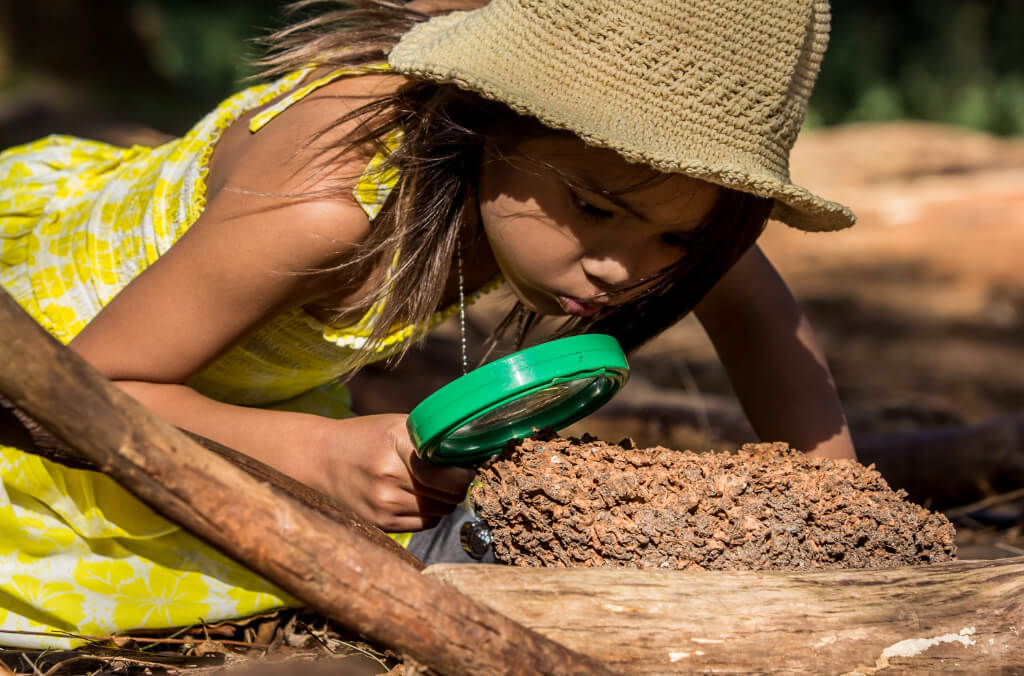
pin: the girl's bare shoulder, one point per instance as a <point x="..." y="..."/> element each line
<point x="285" y="193"/>
<point x="294" y="152"/>
<point x="300" y="156"/>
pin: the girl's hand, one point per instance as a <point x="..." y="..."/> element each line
<point x="370" y="465"/>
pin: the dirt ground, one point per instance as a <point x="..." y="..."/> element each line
<point x="581" y="502"/>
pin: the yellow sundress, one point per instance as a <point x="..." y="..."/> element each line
<point x="78" y="221"/>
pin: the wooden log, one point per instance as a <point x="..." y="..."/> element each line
<point x="963" y="615"/>
<point x="950" y="466"/>
<point x="324" y="563"/>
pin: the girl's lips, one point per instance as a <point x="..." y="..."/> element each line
<point x="578" y="307"/>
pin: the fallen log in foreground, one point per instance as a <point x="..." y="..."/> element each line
<point x="322" y="562"/>
<point x="924" y="619"/>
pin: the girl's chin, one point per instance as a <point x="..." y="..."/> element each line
<point x="545" y="310"/>
<point x="539" y="302"/>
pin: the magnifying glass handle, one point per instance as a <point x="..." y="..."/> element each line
<point x="475" y="538"/>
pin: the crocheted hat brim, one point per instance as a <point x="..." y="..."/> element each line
<point x="461" y="49"/>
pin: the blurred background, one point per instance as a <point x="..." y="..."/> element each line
<point x="917" y="123"/>
<point x="163" y="63"/>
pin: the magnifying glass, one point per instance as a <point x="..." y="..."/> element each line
<point x="553" y="384"/>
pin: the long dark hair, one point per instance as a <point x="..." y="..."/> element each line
<point x="445" y="134"/>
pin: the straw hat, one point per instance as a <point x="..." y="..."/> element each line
<point x="714" y="89"/>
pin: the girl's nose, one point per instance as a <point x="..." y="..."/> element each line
<point x="607" y="272"/>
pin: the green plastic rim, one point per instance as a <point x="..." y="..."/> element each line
<point x="553" y="384"/>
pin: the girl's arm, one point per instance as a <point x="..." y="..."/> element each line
<point x="772" y="358"/>
<point x="244" y="260"/>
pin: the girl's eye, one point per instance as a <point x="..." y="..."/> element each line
<point x="679" y="239"/>
<point x="590" y="210"/>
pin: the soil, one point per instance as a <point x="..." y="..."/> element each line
<point x="582" y="502"/>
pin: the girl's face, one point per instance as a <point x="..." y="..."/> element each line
<point x="570" y="224"/>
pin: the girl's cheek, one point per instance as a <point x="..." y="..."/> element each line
<point x="652" y="259"/>
<point x="669" y="256"/>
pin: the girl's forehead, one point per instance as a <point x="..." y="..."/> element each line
<point x="566" y="149"/>
<point x="606" y="168"/>
<point x="604" y="171"/>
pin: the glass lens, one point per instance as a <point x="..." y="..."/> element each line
<point x="525" y="406"/>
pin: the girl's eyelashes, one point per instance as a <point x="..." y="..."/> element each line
<point x="588" y="209"/>
<point x="679" y="239"/>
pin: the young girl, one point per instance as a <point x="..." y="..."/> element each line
<point x="611" y="163"/>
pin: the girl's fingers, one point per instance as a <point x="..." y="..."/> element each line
<point x="400" y="502"/>
<point x="409" y="523"/>
<point x="426" y="513"/>
<point x="428" y="507"/>
<point x="422" y="490"/>
<point x="442" y="479"/>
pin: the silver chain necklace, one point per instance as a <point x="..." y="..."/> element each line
<point x="462" y="308"/>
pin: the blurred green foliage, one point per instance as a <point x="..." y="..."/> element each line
<point x="954" y="61"/>
<point x="206" y="45"/>
<point x="203" y="49"/>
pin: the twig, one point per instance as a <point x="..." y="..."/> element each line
<point x="990" y="501"/>
<point x="312" y="631"/>
<point x="35" y="669"/>
<point x="140" y="639"/>
<point x="366" y="652"/>
<point x="1009" y="548"/>
<point x="71" y="660"/>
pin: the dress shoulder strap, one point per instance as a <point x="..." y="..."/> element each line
<point x="375" y="184"/>
<point x="261" y="119"/>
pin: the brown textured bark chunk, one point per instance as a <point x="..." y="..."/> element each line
<point x="571" y="502"/>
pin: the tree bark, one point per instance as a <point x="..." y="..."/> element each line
<point x="963" y="615"/>
<point x="326" y="564"/>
